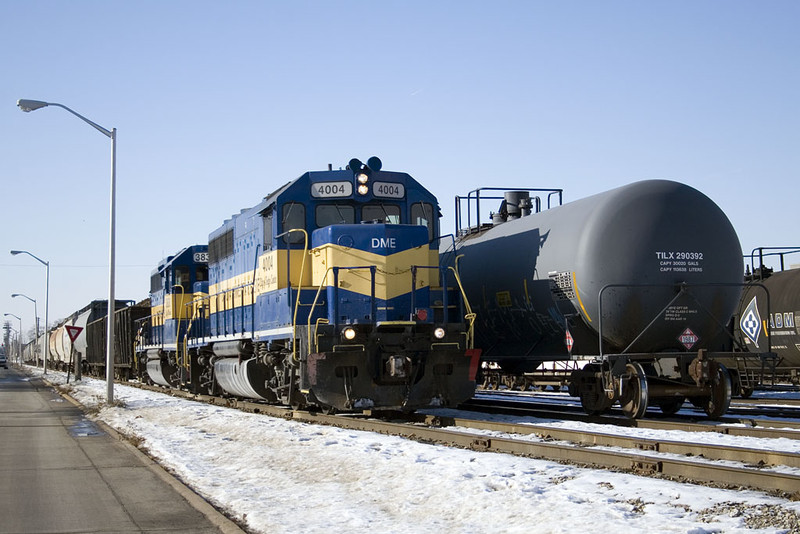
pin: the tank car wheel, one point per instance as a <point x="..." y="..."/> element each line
<point x="672" y="405"/>
<point x="716" y="405"/>
<point x="596" y="403"/>
<point x="633" y="400"/>
<point x="594" y="399"/>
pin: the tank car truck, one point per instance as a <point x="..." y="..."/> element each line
<point x="327" y="293"/>
<point x="642" y="280"/>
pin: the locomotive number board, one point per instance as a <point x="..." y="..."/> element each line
<point x="331" y="189"/>
<point x="388" y="190"/>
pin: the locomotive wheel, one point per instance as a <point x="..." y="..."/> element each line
<point x="633" y="400"/>
<point x="716" y="405"/>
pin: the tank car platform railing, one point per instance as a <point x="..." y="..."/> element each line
<point x="477" y="198"/>
<point x="781" y="252"/>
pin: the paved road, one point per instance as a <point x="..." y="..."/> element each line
<point x="59" y="472"/>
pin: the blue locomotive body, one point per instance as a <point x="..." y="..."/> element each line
<point x="176" y="283"/>
<point x="329" y="291"/>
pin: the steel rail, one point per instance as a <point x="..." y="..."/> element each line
<point x="707" y="451"/>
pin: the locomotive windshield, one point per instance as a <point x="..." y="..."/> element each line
<point x="387" y="213"/>
<point x="328" y="214"/>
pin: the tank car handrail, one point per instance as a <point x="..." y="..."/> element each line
<point x="683" y="287"/>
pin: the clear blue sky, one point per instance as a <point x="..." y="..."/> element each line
<point x="219" y="103"/>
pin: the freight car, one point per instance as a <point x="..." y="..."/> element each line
<point x="329" y="292"/>
<point x="765" y="324"/>
<point x="126" y="319"/>
<point x="643" y="279"/>
<point x="60" y="344"/>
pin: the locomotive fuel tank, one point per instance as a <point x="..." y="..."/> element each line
<point x="609" y="263"/>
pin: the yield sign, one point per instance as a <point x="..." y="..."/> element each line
<point x="73" y="332"/>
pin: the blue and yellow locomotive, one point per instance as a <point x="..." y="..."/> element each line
<point x="175" y="284"/>
<point x="329" y="292"/>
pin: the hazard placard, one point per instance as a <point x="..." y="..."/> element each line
<point x="688" y="339"/>
<point x="73" y="332"/>
<point x="569" y="341"/>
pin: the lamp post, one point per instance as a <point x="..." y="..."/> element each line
<point x="35" y="315"/>
<point x="19" y="339"/>
<point x="33" y="105"/>
<point x="46" y="304"/>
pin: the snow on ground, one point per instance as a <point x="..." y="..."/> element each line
<point x="285" y="476"/>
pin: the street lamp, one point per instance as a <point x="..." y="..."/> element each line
<point x="35" y="315"/>
<point x="46" y="304"/>
<point x="33" y="105"/>
<point x="19" y="341"/>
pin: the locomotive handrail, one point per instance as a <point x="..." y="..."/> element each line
<point x="470" y="316"/>
<point x="335" y="270"/>
<point x="299" y="282"/>
<point x="313" y="305"/>
<point x="189" y="324"/>
<point x="414" y="284"/>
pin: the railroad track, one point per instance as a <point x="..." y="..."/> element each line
<point x="641" y="456"/>
<point x="769" y="407"/>
<point x="747" y="426"/>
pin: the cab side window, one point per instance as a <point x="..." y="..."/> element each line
<point x="422" y="215"/>
<point x="293" y="216"/>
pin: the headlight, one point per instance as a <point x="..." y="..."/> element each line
<point x="349" y="333"/>
<point x="362" y="178"/>
<point x="438" y="333"/>
<point x="363" y="189"/>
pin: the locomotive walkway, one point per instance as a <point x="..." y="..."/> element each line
<point x="59" y="472"/>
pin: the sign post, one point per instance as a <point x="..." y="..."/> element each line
<point x="73" y="332"/>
